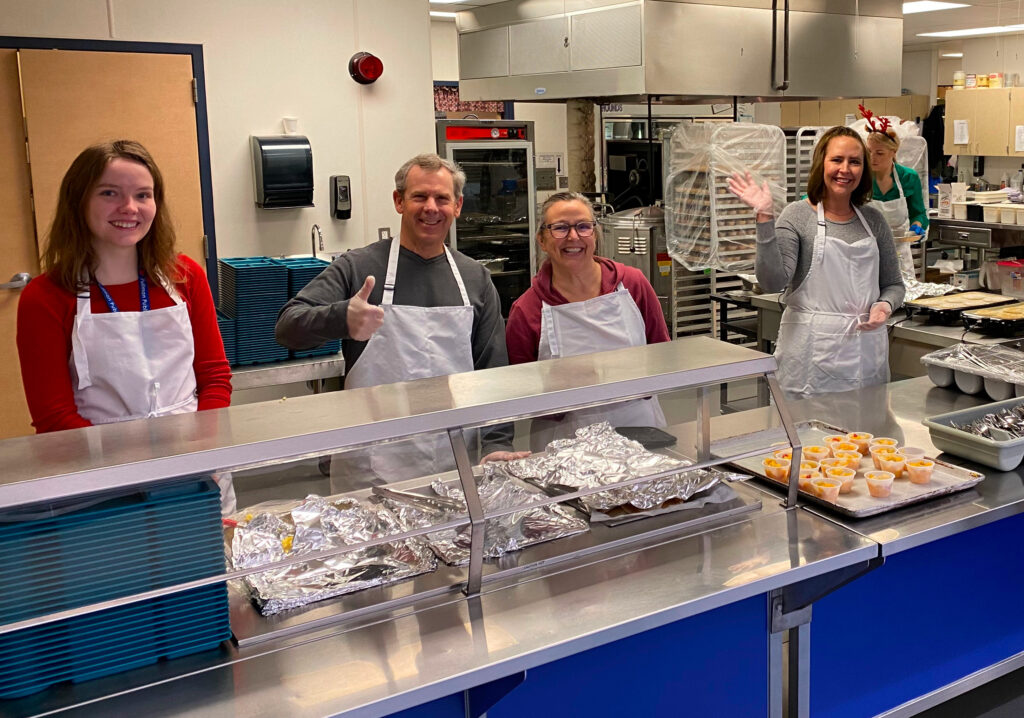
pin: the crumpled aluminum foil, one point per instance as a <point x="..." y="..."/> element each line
<point x="918" y="290"/>
<point x="599" y="456"/>
<point x="501" y="535"/>
<point x="318" y="524"/>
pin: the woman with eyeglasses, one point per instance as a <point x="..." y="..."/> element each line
<point x="580" y="303"/>
<point x="836" y="260"/>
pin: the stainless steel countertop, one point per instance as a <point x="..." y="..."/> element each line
<point x="897" y="410"/>
<point x="386" y="664"/>
<point x="287" y="372"/>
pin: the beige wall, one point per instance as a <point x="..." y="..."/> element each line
<point x="265" y="60"/>
<point x="444" y="50"/>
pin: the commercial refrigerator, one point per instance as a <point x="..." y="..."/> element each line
<point x="498" y="216"/>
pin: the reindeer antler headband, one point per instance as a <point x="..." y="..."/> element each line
<point x="883" y="125"/>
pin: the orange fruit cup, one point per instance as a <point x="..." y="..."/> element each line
<point x="861" y="439"/>
<point x="807" y="479"/>
<point x="775" y="468"/>
<point x="878" y="451"/>
<point x="893" y="463"/>
<point x="851" y="458"/>
<point x="844" y="476"/>
<point x="879" y="483"/>
<point x="817" y="453"/>
<point x="786" y="454"/>
<point x="920" y="470"/>
<point x="883" y="441"/>
<point x="827" y="489"/>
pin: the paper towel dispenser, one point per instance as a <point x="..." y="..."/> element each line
<point x="282" y="171"/>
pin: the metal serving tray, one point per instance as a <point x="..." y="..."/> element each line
<point x="946" y="479"/>
<point x="949" y="307"/>
<point x="1003" y="320"/>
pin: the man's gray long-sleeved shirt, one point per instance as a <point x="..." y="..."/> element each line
<point x="319" y="313"/>
<point x="784" y="249"/>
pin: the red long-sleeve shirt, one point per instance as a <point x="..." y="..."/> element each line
<point x="522" y="333"/>
<point x="46" y="316"/>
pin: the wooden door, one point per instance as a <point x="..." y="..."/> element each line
<point x="73" y="99"/>
<point x="960" y="106"/>
<point x="18" y="250"/>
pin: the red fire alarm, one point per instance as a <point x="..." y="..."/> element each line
<point x="365" y="68"/>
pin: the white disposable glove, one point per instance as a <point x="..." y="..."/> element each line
<point x="757" y="198"/>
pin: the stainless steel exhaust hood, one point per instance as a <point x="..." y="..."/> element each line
<point x="679" y="50"/>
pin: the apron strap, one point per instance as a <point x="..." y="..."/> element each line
<point x="392" y="272"/>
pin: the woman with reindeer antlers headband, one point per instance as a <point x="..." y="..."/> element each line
<point x="837" y="262"/>
<point x="895" y="189"/>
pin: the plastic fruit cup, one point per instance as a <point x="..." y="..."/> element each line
<point x="817" y="453"/>
<point x="807" y="465"/>
<point x="893" y="463"/>
<point x="843" y="475"/>
<point x="920" y="470"/>
<point x="883" y="441"/>
<point x="879" y="451"/>
<point x="851" y="458"/>
<point x="861" y="439"/>
<point x="827" y="489"/>
<point x="911" y="452"/>
<point x="775" y="468"/>
<point x="831" y="441"/>
<point x="844" y="446"/>
<point x="786" y="454"/>
<point x="879" y="483"/>
<point x="825" y="464"/>
<point x="807" y="479"/>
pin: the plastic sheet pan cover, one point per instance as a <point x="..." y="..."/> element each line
<point x="706" y="226"/>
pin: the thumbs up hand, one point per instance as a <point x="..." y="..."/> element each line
<point x="363" y="318"/>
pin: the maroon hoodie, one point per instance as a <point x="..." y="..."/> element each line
<point x="522" y="333"/>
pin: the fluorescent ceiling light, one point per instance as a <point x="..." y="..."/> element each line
<point x="996" y="30"/>
<point x="909" y="8"/>
<point x="435" y="13"/>
<point x="952" y="54"/>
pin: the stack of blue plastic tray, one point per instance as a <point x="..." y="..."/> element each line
<point x="102" y="551"/>
<point x="252" y="292"/>
<point x="301" y="271"/>
<point x="227" y="334"/>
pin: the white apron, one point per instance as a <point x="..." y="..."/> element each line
<point x="610" y="321"/>
<point x="136" y="365"/>
<point x="412" y="343"/>
<point x="897" y="216"/>
<point x="819" y="349"/>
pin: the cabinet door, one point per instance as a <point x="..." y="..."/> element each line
<point x="959" y="106"/>
<point x="992" y="119"/>
<point x="810" y="114"/>
<point x="898" y="107"/>
<point x="830" y="113"/>
<point x="1016" y="119"/>
<point x="18" y="250"/>
<point x="483" y="53"/>
<point x="538" y="46"/>
<point x="73" y="99"/>
<point x="607" y="38"/>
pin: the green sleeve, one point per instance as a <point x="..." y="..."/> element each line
<point x="915" y="198"/>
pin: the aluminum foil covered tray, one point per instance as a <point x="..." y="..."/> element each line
<point x="600" y="456"/>
<point x="498" y="491"/>
<point x="286" y="530"/>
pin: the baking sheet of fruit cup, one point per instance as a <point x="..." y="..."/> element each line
<point x="946" y="478"/>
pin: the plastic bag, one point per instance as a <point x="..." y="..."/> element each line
<point x="706" y="226"/>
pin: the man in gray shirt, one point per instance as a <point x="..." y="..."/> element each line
<point x="345" y="300"/>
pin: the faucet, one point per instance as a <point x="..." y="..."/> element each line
<point x="316" y="234"/>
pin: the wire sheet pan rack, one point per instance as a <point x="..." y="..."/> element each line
<point x="946" y="479"/>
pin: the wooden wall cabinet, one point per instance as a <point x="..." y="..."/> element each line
<point x="827" y="113"/>
<point x="987" y="113"/>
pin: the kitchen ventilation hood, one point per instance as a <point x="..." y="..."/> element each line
<point x="680" y="50"/>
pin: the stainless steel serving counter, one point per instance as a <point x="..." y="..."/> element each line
<point x="983" y="235"/>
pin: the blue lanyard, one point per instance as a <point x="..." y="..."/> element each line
<point x="143" y="295"/>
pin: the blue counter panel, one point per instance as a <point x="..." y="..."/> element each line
<point x="929" y="616"/>
<point x="712" y="664"/>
